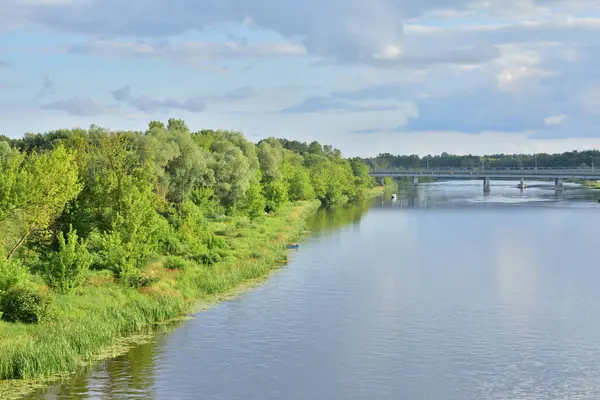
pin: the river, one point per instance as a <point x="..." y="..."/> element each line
<point x="442" y="294"/>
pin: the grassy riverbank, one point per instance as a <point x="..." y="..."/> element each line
<point x="96" y="317"/>
<point x="85" y="323"/>
<point x="592" y="184"/>
<point x="105" y="233"/>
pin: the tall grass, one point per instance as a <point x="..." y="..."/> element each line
<point x="85" y="322"/>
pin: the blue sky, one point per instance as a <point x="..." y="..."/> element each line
<point x="398" y="76"/>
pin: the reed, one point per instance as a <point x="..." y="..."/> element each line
<point x="85" y="322"/>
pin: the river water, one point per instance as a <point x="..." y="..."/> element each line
<point x="442" y="294"/>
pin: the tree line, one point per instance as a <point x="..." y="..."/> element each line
<point x="570" y="159"/>
<point x="71" y="200"/>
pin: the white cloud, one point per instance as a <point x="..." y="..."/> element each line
<point x="189" y="51"/>
<point x="518" y="66"/>
<point x="555" y="119"/>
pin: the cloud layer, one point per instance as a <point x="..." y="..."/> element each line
<point x="392" y="67"/>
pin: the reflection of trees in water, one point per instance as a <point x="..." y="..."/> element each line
<point x="130" y="375"/>
<point x="328" y="219"/>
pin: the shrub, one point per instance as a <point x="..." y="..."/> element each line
<point x="214" y="241"/>
<point x="24" y="304"/>
<point x="133" y="278"/>
<point x="210" y="258"/>
<point x="138" y="281"/>
<point x="175" y="262"/>
<point x="68" y="267"/>
<point x="12" y="273"/>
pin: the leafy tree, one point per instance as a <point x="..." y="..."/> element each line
<point x="254" y="202"/>
<point x="67" y="268"/>
<point x="47" y="182"/>
<point x="276" y="194"/>
<point x="300" y="187"/>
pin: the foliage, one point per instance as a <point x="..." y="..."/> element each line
<point x="36" y="190"/>
<point x="12" y="273"/>
<point x="24" y="304"/>
<point x="176" y="263"/>
<point x="570" y="159"/>
<point x="75" y="201"/>
<point x="67" y="268"/>
<point x="276" y="193"/>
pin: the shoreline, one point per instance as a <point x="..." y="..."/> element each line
<point x="106" y="320"/>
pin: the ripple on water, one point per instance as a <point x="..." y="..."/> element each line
<point x="493" y="303"/>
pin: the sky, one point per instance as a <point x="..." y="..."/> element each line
<point x="368" y="77"/>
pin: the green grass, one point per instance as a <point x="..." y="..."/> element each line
<point x="96" y="320"/>
<point x="592" y="184"/>
<point x="86" y="323"/>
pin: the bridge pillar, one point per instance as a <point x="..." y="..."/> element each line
<point x="486" y="184"/>
<point x="522" y="184"/>
<point x="558" y="184"/>
<point x="415" y="180"/>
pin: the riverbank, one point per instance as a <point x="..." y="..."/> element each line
<point x="85" y="323"/>
<point x="592" y="184"/>
<point x="94" y="322"/>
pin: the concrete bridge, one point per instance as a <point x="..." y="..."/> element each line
<point x="486" y="175"/>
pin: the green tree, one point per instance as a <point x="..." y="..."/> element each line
<point x="300" y="187"/>
<point x="67" y="268"/>
<point x="276" y="193"/>
<point x="47" y="182"/>
<point x="254" y="202"/>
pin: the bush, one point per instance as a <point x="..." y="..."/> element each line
<point x="67" y="268"/>
<point x="214" y="241"/>
<point x="138" y="281"/>
<point x="24" y="304"/>
<point x="175" y="262"/>
<point x="210" y="258"/>
<point x="12" y="273"/>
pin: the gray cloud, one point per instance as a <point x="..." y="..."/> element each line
<point x="331" y="104"/>
<point x="48" y="87"/>
<point x="330" y="28"/>
<point x="368" y="131"/>
<point x="122" y="94"/>
<point x="195" y="104"/>
<point x="147" y="104"/>
<point x="4" y="64"/>
<point x="77" y="106"/>
<point x="496" y="76"/>
<point x="191" y="52"/>
<point x="326" y="28"/>
<point x="241" y="93"/>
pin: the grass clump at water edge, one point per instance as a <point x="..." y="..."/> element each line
<point x="80" y="325"/>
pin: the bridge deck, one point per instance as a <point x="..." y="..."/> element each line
<point x="458" y="173"/>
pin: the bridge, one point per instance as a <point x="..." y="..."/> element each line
<point x="487" y="174"/>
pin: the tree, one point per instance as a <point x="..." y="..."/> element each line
<point x="254" y="202"/>
<point x="67" y="268"/>
<point x="300" y="187"/>
<point x="47" y="182"/>
<point x="275" y="193"/>
<point x="232" y="173"/>
<point x="177" y="125"/>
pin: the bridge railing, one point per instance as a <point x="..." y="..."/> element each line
<point x="541" y="172"/>
<point x="516" y="169"/>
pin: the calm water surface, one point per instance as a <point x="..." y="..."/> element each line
<point x="443" y="294"/>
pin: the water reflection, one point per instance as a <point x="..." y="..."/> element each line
<point x="460" y="194"/>
<point x="330" y="219"/>
<point x="442" y="294"/>
<point x="130" y="376"/>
